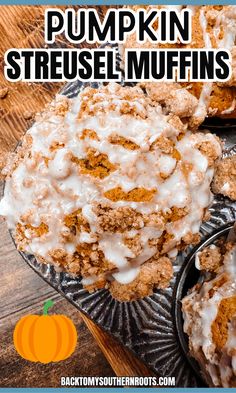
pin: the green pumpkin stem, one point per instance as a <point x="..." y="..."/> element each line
<point x="48" y="304"/>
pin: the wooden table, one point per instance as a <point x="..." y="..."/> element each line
<point x="21" y="291"/>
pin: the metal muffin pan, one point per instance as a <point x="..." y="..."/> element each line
<point x="149" y="327"/>
<point x="145" y="326"/>
<point x="187" y="278"/>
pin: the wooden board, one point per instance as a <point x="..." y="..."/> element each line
<point x="21" y="290"/>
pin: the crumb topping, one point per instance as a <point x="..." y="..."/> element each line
<point x="212" y="27"/>
<point x="115" y="181"/>
<point x="88" y="133"/>
<point x="210" y="259"/>
<point x="209" y="312"/>
<point x="154" y="273"/>
<point x="95" y="164"/>
<point x="224" y="181"/>
<point x="122" y="141"/>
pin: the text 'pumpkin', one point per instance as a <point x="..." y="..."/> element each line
<point x="44" y="338"/>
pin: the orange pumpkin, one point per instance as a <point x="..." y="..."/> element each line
<point x="45" y="338"/>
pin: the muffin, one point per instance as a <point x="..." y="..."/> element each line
<point x="212" y="27"/>
<point x="108" y="187"/>
<point x="209" y="312"/>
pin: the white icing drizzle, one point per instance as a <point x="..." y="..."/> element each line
<point x="126" y="276"/>
<point x="226" y="18"/>
<point x="200" y="309"/>
<point x="204" y="98"/>
<point x="47" y="192"/>
<point x="115" y="250"/>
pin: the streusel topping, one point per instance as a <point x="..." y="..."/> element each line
<point x="105" y="182"/>
<point x="210" y="315"/>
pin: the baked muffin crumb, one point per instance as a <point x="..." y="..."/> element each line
<point x="104" y="187"/>
<point x="154" y="273"/>
<point x="209" y="312"/>
<point x="224" y="181"/>
<point x="210" y="259"/>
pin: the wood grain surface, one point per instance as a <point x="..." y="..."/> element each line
<point x="21" y="290"/>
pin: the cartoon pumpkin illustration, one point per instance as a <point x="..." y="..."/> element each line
<point x="45" y="338"/>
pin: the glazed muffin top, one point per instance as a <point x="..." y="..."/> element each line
<point x="210" y="315"/>
<point x="212" y="27"/>
<point x="105" y="182"/>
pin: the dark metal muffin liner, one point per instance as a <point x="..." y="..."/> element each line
<point x="187" y="278"/>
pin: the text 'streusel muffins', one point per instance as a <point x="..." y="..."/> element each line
<point x="108" y="187"/>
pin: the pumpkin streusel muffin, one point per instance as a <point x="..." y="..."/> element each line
<point x="213" y="27"/>
<point x="209" y="313"/>
<point x="107" y="187"/>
